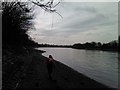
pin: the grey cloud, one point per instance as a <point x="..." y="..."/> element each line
<point x="85" y="9"/>
<point x="97" y="21"/>
<point x="70" y="28"/>
<point x="55" y="33"/>
<point x="78" y="24"/>
<point x="0" y="5"/>
<point x="48" y="33"/>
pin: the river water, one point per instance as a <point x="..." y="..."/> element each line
<point x="101" y="66"/>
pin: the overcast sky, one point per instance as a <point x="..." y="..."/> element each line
<point x="81" y="22"/>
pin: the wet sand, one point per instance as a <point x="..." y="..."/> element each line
<point x="36" y="76"/>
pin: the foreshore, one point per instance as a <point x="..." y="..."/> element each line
<point x="36" y="76"/>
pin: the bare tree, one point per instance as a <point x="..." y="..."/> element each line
<point x="48" y="6"/>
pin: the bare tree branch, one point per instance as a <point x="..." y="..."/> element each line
<point x="59" y="14"/>
<point x="49" y="7"/>
<point x="56" y="4"/>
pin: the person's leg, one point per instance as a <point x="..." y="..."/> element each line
<point x="50" y="72"/>
<point x="50" y="76"/>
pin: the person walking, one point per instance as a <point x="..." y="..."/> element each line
<point x="50" y="63"/>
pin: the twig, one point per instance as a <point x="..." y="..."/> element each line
<point x="48" y="6"/>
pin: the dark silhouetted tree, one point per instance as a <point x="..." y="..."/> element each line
<point x="99" y="44"/>
<point x="113" y="45"/>
<point x="16" y="22"/>
<point x="118" y="43"/>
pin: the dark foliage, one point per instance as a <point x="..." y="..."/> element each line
<point x="61" y="46"/>
<point x="16" y="21"/>
<point x="113" y="45"/>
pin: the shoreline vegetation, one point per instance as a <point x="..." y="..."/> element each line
<point x="28" y="70"/>
<point x="110" y="46"/>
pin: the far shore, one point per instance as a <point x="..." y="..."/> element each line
<point x="109" y="50"/>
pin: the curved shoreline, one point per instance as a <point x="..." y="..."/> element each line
<point x="78" y="78"/>
<point x="34" y="75"/>
<point x="64" y="76"/>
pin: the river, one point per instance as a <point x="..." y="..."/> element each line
<point x="101" y="66"/>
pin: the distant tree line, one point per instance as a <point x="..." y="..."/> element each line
<point x="113" y="45"/>
<point x="110" y="46"/>
<point x="49" y="45"/>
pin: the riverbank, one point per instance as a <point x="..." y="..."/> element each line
<point x="108" y="50"/>
<point x="34" y="75"/>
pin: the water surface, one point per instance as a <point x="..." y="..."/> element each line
<point x="101" y="66"/>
